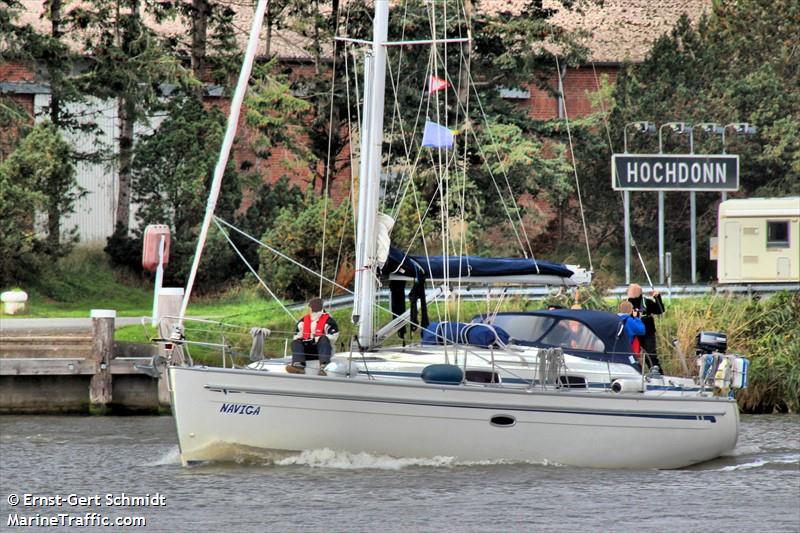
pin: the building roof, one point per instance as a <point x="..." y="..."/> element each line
<point x="621" y="30"/>
<point x="624" y="30"/>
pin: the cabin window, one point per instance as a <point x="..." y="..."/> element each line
<point x="571" y="334"/>
<point x="777" y="234"/>
<point x="524" y="327"/>
<point x="572" y="382"/>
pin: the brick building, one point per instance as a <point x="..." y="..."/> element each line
<point x="620" y="31"/>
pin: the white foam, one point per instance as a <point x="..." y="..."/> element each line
<point x="743" y="450"/>
<point x="327" y="458"/>
<point x="787" y="459"/>
<point x="170" y="457"/>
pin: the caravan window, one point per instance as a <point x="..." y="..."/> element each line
<point x="778" y="234"/>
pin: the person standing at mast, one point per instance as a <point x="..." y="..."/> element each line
<point x="316" y="333"/>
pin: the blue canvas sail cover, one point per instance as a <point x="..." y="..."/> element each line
<point x="471" y="266"/>
<point x="473" y="334"/>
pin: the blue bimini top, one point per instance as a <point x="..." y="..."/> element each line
<point x="584" y="333"/>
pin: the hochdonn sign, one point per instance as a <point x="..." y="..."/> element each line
<point x="680" y="172"/>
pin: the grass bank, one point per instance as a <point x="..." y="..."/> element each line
<point x="85" y="280"/>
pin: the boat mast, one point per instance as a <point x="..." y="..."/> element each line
<point x="230" y="134"/>
<point x="366" y="275"/>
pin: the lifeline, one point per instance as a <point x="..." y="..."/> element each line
<point x="675" y="172"/>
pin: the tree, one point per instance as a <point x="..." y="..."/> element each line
<point x="296" y="234"/>
<point x="53" y="60"/>
<point x="209" y="46"/>
<point x="40" y="171"/>
<point x="172" y="172"/>
<point x="737" y="65"/>
<point x="128" y="62"/>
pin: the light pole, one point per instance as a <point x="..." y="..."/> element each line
<point x="693" y="216"/>
<point x="715" y="129"/>
<point x="641" y="127"/>
<point x="744" y="128"/>
<point x="679" y="128"/>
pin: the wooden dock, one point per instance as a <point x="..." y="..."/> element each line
<point x="54" y="372"/>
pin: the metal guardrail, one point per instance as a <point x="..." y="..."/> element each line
<point x="540" y="293"/>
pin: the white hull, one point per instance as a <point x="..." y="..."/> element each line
<point x="272" y="411"/>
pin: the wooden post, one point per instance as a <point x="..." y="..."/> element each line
<point x="102" y="353"/>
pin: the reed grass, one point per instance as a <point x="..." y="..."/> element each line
<point x="766" y="331"/>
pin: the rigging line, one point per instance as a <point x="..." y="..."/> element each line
<point x="396" y="105"/>
<point x="440" y="175"/>
<point x="339" y="252"/>
<point x="463" y="228"/>
<point x="502" y="200"/>
<point x="395" y="110"/>
<point x="328" y="162"/>
<point x="504" y="173"/>
<point x="376" y="305"/>
<point x="416" y="201"/>
<point x="621" y="193"/>
<point x="350" y="153"/>
<point x="574" y="166"/>
<point x="497" y="188"/>
<point x="250" y="267"/>
<point x="349" y="129"/>
<point x="397" y="204"/>
<point x="279" y="253"/>
<point x="360" y="133"/>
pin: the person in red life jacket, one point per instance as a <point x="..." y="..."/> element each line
<point x="634" y="327"/>
<point x="317" y="331"/>
<point x="647" y="308"/>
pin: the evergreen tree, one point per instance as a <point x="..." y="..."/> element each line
<point x="38" y="172"/>
<point x="53" y="61"/>
<point x="739" y="64"/>
<point x="172" y="172"/>
<point x="127" y="61"/>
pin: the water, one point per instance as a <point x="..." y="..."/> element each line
<point x="755" y="488"/>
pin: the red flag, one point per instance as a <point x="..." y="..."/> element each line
<point x="436" y="84"/>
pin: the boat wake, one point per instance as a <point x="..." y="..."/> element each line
<point x="170" y="457"/>
<point x="743" y="450"/>
<point x="327" y="458"/>
<point x="788" y="459"/>
<point x="221" y="453"/>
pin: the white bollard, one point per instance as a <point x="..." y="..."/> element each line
<point x="14" y="301"/>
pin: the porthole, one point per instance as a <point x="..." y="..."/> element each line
<point x="503" y="421"/>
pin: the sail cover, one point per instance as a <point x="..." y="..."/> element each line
<point x="471" y="268"/>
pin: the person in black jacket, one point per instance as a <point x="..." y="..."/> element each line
<point x="647" y="308"/>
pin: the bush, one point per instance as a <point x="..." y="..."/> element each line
<point x="297" y="232"/>
<point x="37" y="176"/>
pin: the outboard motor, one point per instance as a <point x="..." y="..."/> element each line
<point x="711" y="342"/>
<point x="717" y="369"/>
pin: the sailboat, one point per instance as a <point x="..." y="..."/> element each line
<point x="496" y="401"/>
